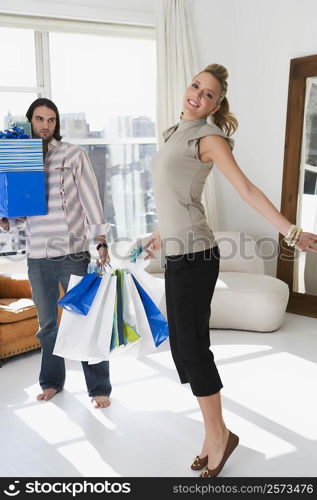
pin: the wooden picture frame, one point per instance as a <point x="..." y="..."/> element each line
<point x="300" y="69"/>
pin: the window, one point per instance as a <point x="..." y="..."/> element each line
<point x="18" y="65"/>
<point x="104" y="87"/>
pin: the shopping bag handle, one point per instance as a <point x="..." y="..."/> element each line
<point x="105" y="268"/>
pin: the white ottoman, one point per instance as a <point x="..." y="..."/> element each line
<point x="248" y="301"/>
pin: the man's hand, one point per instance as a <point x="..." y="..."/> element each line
<point x="103" y="256"/>
<point x="154" y="244"/>
<point x="4" y="224"/>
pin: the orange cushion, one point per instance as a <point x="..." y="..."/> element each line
<point x="16" y="310"/>
<point x="15" y="285"/>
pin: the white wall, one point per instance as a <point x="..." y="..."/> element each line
<point x="123" y="11"/>
<point x="255" y="39"/>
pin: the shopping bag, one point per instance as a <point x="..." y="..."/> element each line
<point x="156" y="320"/>
<point x="153" y="285"/>
<point x="106" y="324"/>
<point x="116" y="321"/>
<point x="87" y="338"/>
<point x="80" y="297"/>
<point x="117" y="328"/>
<point x="146" y="344"/>
<point x="132" y="331"/>
<point x="135" y="307"/>
<point x="125" y="330"/>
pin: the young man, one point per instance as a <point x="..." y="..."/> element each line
<point x="58" y="245"/>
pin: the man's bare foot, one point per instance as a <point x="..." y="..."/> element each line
<point x="47" y="394"/>
<point x="101" y="401"/>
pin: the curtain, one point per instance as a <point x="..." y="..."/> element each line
<point x="176" y="66"/>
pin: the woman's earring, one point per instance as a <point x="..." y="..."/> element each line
<point x="181" y="115"/>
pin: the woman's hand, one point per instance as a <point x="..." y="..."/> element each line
<point x="306" y="241"/>
<point x="103" y="256"/>
<point x="154" y="244"/>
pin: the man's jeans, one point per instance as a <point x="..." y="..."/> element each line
<point x="45" y="276"/>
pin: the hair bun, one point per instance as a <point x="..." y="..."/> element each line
<point x="220" y="71"/>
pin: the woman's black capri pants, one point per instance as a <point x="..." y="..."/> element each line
<point x="190" y="281"/>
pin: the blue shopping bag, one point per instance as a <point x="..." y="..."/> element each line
<point x="157" y="322"/>
<point x="80" y="298"/>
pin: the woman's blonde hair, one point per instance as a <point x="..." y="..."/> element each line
<point x="225" y="120"/>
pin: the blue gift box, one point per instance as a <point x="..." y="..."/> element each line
<point x="22" y="178"/>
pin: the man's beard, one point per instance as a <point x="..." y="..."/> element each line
<point x="48" y="138"/>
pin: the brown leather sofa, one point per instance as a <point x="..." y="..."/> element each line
<point x="18" y="316"/>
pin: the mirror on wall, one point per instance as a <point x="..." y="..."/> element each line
<point x="305" y="275"/>
<point x="299" y="193"/>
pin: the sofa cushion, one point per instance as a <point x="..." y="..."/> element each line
<point x="239" y="252"/>
<point x="246" y="301"/>
<point x="236" y="282"/>
<point x="18" y="337"/>
<point x="15" y="286"/>
<point x="12" y="310"/>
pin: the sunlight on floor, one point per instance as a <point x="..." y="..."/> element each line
<point x="41" y="417"/>
<point x="232" y="351"/>
<point x="275" y="391"/>
<point x="86" y="459"/>
<point x="100" y="416"/>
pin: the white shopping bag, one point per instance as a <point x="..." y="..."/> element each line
<point x="146" y="344"/>
<point x="106" y="324"/>
<point x="128" y="310"/>
<point x="154" y="286"/>
<point x="87" y="338"/>
<point x="131" y="328"/>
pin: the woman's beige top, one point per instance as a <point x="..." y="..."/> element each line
<point x="178" y="180"/>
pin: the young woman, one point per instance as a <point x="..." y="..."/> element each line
<point x="179" y="172"/>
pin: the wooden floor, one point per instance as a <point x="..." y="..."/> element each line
<point x="153" y="427"/>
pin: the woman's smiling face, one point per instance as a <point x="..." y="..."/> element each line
<point x="202" y="96"/>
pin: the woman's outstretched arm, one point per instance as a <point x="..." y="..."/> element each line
<point x="215" y="148"/>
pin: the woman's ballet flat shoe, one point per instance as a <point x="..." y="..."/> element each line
<point x="199" y="463"/>
<point x="232" y="443"/>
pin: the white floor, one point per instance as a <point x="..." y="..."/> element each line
<point x="153" y="427"/>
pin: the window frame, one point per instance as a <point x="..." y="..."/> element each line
<point x="43" y="26"/>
